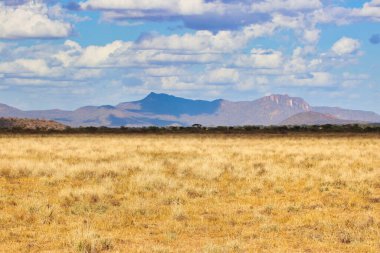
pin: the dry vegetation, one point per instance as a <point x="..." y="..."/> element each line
<point x="189" y="194"/>
<point x="30" y="124"/>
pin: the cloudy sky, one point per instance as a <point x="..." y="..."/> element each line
<point x="66" y="54"/>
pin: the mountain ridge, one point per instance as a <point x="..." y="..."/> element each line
<point x="162" y="109"/>
<point x="316" y="118"/>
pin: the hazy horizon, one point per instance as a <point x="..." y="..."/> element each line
<point x="68" y="54"/>
<point x="162" y="93"/>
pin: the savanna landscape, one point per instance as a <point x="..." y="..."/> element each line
<point x="190" y="193"/>
<point x="189" y="126"/>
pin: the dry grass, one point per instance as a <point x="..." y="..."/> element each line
<point x="189" y="194"/>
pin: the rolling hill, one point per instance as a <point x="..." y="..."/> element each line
<point x="30" y="124"/>
<point x="316" y="118"/>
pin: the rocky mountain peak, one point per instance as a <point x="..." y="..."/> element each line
<point x="287" y="101"/>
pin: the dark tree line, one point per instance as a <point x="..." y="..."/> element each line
<point x="198" y="129"/>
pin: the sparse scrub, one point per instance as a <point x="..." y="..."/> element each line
<point x="189" y="193"/>
<point x="86" y="240"/>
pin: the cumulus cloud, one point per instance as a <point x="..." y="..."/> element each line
<point x="370" y="9"/>
<point x="300" y="62"/>
<point x="201" y="41"/>
<point x="189" y="48"/>
<point x="179" y="7"/>
<point x="311" y="36"/>
<point x="256" y="82"/>
<point x="289" y="5"/>
<point x="172" y="68"/>
<point x="93" y="56"/>
<point x="177" y="83"/>
<point x="25" y="67"/>
<point x="30" y="20"/>
<point x="201" y="60"/>
<point x="332" y="14"/>
<point x="216" y="15"/>
<point x="222" y="76"/>
<point x="304" y="27"/>
<point x="200" y="14"/>
<point x="164" y="71"/>
<point x="261" y="58"/>
<point x="345" y="46"/>
<point x="191" y="12"/>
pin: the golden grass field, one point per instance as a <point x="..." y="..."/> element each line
<point x="189" y="193"/>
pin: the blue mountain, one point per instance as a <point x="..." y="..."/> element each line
<point x="166" y="104"/>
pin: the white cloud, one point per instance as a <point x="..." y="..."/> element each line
<point x="332" y="14"/>
<point x="26" y="67"/>
<point x="303" y="16"/>
<point x="145" y="58"/>
<point x="58" y="12"/>
<point x="257" y="82"/>
<point x="30" y="20"/>
<point x="222" y="76"/>
<point x="260" y="30"/>
<point x="261" y="58"/>
<point x="313" y="79"/>
<point x="370" y="9"/>
<point x="345" y="46"/>
<point x="293" y="22"/>
<point x="298" y="62"/>
<point x="93" y="56"/>
<point x="200" y="47"/>
<point x="300" y="23"/>
<point x="180" y="7"/>
<point x="292" y="5"/>
<point x="201" y="41"/>
<point x="69" y="54"/>
<point x="84" y="74"/>
<point x="311" y="36"/>
<point x="164" y="71"/>
<point x="211" y="15"/>
<point x="176" y="83"/>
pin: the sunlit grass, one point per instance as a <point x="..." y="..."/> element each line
<point x="189" y="193"/>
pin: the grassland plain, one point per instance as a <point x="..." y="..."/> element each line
<point x="189" y="193"/>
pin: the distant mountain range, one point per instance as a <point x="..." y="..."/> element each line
<point x="163" y="110"/>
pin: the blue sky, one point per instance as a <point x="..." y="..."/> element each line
<point x="66" y="54"/>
